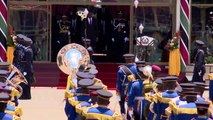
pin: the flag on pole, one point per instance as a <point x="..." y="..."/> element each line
<point x="3" y="29"/>
<point x="184" y="28"/>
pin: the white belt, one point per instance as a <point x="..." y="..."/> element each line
<point x="139" y="98"/>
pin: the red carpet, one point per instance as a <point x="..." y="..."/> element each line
<point x="49" y="75"/>
<point x="107" y="72"/>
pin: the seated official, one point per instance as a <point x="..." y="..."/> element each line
<point x="102" y="112"/>
<point x="4" y="98"/>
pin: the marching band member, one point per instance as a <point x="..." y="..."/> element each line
<point x="122" y="79"/>
<point x="102" y="112"/>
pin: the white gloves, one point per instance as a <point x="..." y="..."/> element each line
<point x="113" y="39"/>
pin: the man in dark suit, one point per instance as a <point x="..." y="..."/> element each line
<point x="89" y="29"/>
<point x="75" y="21"/>
<point x="104" y="27"/>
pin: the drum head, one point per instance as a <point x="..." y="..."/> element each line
<point x="71" y="57"/>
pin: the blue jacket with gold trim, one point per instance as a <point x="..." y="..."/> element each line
<point x="122" y="80"/>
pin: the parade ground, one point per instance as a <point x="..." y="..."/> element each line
<point x="47" y="104"/>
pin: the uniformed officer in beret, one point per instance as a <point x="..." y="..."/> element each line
<point x="102" y="112"/>
<point x="199" y="62"/>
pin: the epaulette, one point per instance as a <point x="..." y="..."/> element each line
<point x="117" y="116"/>
<point x="14" y="92"/>
<point x="79" y="109"/>
<point x="210" y="76"/>
<point x="73" y="102"/>
<point x="178" y="110"/>
<point x="16" y="117"/>
<point x="98" y="82"/>
<point x="148" y="97"/>
<point x="162" y="99"/>
<point x="155" y="98"/>
<point x="168" y="111"/>
<point x="67" y="94"/>
<point x="120" y="66"/>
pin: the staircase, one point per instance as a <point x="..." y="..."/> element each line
<point x="47" y="74"/>
<point x="107" y="72"/>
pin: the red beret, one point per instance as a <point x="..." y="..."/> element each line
<point x="156" y="68"/>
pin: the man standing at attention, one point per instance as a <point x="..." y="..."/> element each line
<point x="199" y="62"/>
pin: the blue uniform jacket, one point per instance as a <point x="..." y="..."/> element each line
<point x="190" y="105"/>
<point x="211" y="90"/>
<point x="135" y="91"/>
<point x="101" y="110"/>
<point x="122" y="81"/>
<point x="4" y="116"/>
<point x="162" y="106"/>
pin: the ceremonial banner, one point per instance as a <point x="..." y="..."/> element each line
<point x="3" y="29"/>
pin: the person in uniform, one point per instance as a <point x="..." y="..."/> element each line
<point x="4" y="98"/>
<point x="11" y="108"/>
<point x="179" y="100"/>
<point x="122" y="79"/>
<point x="102" y="112"/>
<point x="200" y="88"/>
<point x="19" y="52"/>
<point x="187" y="111"/>
<point x="165" y="97"/>
<point x="64" y="31"/>
<point x="139" y="65"/>
<point x="27" y="63"/>
<point x="120" y="36"/>
<point x="202" y="110"/>
<point x="92" y="102"/>
<point x="5" y="66"/>
<point x="199" y="62"/>
<point x="11" y="86"/>
<point x="134" y="99"/>
<point x="81" y="95"/>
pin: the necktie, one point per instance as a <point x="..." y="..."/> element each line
<point x="90" y="21"/>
